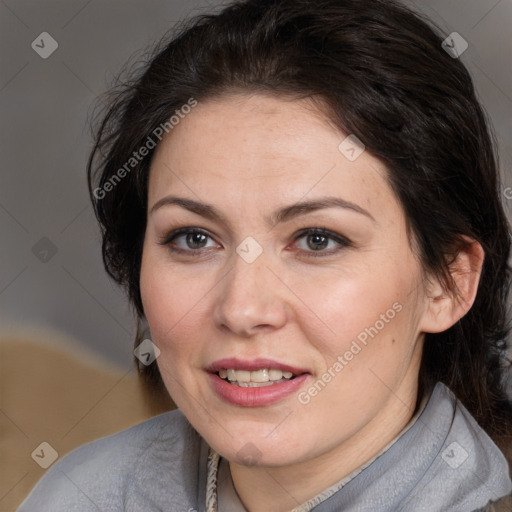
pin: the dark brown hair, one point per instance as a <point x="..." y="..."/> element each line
<point x="383" y="75"/>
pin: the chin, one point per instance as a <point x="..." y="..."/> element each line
<point x="255" y="450"/>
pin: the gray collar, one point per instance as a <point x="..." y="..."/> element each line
<point x="441" y="459"/>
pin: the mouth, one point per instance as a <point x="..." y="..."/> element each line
<point x="256" y="378"/>
<point x="254" y="383"/>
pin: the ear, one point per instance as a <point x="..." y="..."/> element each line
<point x="446" y="306"/>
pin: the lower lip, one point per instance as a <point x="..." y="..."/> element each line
<point x="255" y="397"/>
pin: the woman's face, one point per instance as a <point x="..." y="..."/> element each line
<point x="253" y="295"/>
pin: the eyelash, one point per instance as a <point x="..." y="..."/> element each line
<point x="330" y="235"/>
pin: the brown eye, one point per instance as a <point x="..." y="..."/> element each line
<point x="195" y="240"/>
<point x="317" y="242"/>
<point x="188" y="240"/>
<point x="320" y="241"/>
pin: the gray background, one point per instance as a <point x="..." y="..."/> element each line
<point x="44" y="107"/>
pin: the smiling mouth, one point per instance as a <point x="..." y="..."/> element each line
<point x="256" y="378"/>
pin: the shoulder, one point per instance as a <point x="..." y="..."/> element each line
<point x="468" y="469"/>
<point x="124" y="467"/>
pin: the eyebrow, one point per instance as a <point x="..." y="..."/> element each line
<point x="284" y="214"/>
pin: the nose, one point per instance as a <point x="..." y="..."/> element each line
<point x="251" y="299"/>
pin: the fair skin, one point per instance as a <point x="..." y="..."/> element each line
<point x="248" y="156"/>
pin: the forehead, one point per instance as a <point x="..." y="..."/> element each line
<point x="261" y="125"/>
<point x="263" y="149"/>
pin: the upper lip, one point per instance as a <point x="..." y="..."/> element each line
<point x="253" y="364"/>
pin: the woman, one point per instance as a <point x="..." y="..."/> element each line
<point x="301" y="199"/>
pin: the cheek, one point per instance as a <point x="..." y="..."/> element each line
<point x="367" y="317"/>
<point x="171" y="307"/>
<point x="166" y="298"/>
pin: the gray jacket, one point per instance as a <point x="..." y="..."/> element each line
<point x="443" y="462"/>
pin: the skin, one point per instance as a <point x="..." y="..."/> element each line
<point x="249" y="155"/>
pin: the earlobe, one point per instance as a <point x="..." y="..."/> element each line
<point x="447" y="305"/>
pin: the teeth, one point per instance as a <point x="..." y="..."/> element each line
<point x="253" y="384"/>
<point x="275" y="374"/>
<point x="263" y="377"/>
<point x="259" y="376"/>
<point x="242" y="376"/>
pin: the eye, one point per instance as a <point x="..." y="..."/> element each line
<point x="317" y="240"/>
<point x="187" y="240"/>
